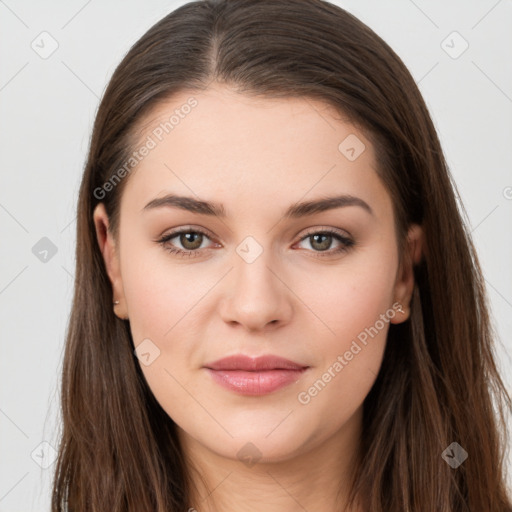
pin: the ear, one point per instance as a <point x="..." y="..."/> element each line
<point x="110" y="254"/>
<point x="404" y="284"/>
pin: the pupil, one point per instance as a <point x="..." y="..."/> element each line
<point x="325" y="244"/>
<point x="189" y="240"/>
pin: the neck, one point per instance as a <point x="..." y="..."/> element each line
<point x="313" y="479"/>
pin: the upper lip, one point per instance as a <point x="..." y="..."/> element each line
<point x="247" y="363"/>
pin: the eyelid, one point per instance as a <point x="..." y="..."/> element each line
<point x="321" y="229"/>
<point x="343" y="237"/>
<point x="309" y="231"/>
<point x="188" y="228"/>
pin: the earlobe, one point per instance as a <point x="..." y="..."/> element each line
<point x="404" y="284"/>
<point x="110" y="255"/>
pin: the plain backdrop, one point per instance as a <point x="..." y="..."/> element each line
<point x="56" y="59"/>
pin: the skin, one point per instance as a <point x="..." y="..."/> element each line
<point x="258" y="156"/>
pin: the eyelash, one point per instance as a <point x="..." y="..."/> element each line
<point x="346" y="242"/>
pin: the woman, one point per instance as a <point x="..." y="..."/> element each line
<point x="277" y="303"/>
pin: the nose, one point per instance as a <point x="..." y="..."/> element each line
<point x="256" y="296"/>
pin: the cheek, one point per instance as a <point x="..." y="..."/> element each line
<point x="166" y="306"/>
<point x="350" y="297"/>
<point x="350" y="362"/>
<point x="159" y="294"/>
<point x="161" y="299"/>
<point x="355" y="307"/>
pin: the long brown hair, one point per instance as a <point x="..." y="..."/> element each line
<point x="438" y="382"/>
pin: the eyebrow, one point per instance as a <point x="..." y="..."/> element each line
<point x="295" y="211"/>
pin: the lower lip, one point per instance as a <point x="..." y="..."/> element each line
<point x="255" y="383"/>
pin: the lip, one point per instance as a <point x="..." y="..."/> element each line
<point x="255" y="376"/>
<point x="251" y="364"/>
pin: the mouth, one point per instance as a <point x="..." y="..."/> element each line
<point x="255" y="376"/>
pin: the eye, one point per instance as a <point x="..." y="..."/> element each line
<point x="321" y="242"/>
<point x="192" y="239"/>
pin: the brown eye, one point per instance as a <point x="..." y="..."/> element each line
<point x="191" y="240"/>
<point x="321" y="242"/>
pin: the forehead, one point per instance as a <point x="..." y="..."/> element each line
<point x="254" y="151"/>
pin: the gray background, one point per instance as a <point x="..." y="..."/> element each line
<point x="47" y="107"/>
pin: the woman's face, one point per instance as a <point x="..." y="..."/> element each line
<point x="257" y="282"/>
